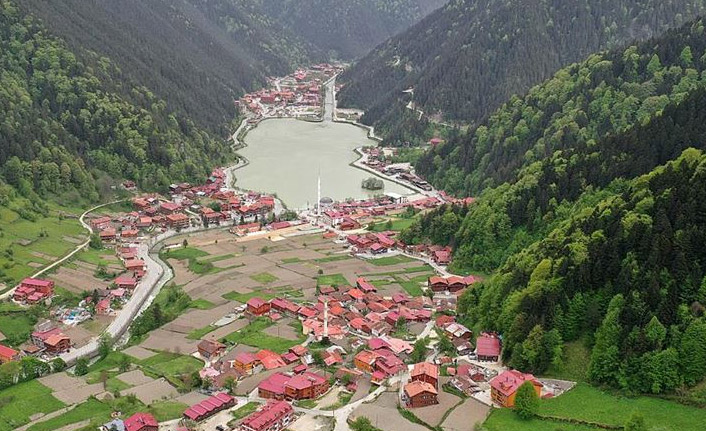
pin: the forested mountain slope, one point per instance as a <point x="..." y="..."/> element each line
<point x="196" y="55"/>
<point x="63" y="130"/>
<point x="586" y="236"/>
<point x="467" y="58"/>
<point x="347" y="28"/>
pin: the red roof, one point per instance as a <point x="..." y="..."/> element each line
<point x="487" y="345"/>
<point x="139" y="421"/>
<point x="425" y="368"/>
<point x="270" y="414"/>
<point x="509" y="381"/>
<point x="6" y="352"/>
<point x="256" y="302"/>
<point x="245" y="358"/>
<point x="36" y="282"/>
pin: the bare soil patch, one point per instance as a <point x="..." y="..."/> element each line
<point x="168" y="341"/>
<point x="139" y="352"/>
<point x="384" y="415"/>
<point x="466" y="416"/>
<point x="153" y="391"/>
<point x="191" y="398"/>
<point x="61" y="381"/>
<point x="77" y="281"/>
<point x="434" y="414"/>
<point x="135" y="378"/>
<point x="79" y="394"/>
<point x="312" y="423"/>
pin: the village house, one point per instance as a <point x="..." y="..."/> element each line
<point x="503" y="388"/>
<point x="108" y="234"/>
<point x="456" y="330"/>
<point x="177" y="221"/>
<point x="245" y="363"/>
<point x="100" y="223"/>
<point x="425" y="372"/>
<point x="209" y="407"/>
<point x="8" y="354"/>
<point x="280" y="386"/>
<point x="141" y="422"/>
<point x="33" y="290"/>
<point x="273" y="416"/>
<point x="209" y="349"/>
<point x="488" y="347"/>
<point x="365" y="285"/>
<point x="419" y="394"/>
<point x="365" y="361"/>
<point x="258" y="306"/>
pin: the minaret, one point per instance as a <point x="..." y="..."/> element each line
<point x="324" y="338"/>
<point x="318" y="198"/>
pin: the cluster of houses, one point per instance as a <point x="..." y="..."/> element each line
<point x="273" y="416"/>
<point x="33" y="291"/>
<point x="452" y="284"/>
<point x="294" y="92"/>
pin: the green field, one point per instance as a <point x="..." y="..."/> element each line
<point x="96" y="257"/>
<point x="264" y="278"/>
<point x="171" y="364"/>
<point x="332" y="280"/>
<point x="397" y="224"/>
<point x="590" y="404"/>
<point x="19" y="402"/>
<point x="507" y="420"/>
<point x="253" y="335"/>
<point x="167" y="410"/>
<point x="334" y="258"/>
<point x="16" y="326"/>
<point x="202" y="304"/>
<point x="194" y="256"/>
<point x="44" y="236"/>
<point x="97" y="412"/>
<point x="390" y="260"/>
<point x="244" y="411"/>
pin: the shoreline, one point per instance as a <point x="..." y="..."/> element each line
<point x="242" y="131"/>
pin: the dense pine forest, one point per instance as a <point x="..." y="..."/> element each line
<point x="64" y="133"/>
<point x="590" y="216"/>
<point x="469" y="57"/>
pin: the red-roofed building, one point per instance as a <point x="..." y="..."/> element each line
<point x="135" y="265"/>
<point x="419" y="394"/>
<point x="488" y="347"/>
<point x="57" y="344"/>
<point x="245" y="362"/>
<point x="177" y="221"/>
<point x="209" y="407"/>
<point x="125" y="282"/>
<point x="274" y="416"/>
<point x="306" y="385"/>
<point x="7" y="354"/>
<point x="438" y="284"/>
<point x="141" y="422"/>
<point x="270" y="360"/>
<point x="442" y="257"/>
<point x="503" y="388"/>
<point x="33" y="290"/>
<point x="425" y="372"/>
<point x="258" y="306"/>
<point x="365" y="361"/>
<point x="210" y="348"/>
<point x="364" y="285"/>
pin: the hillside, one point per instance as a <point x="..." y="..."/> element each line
<point x="197" y="56"/>
<point x="591" y="231"/>
<point x="65" y="133"/>
<point x="348" y="29"/>
<point x="469" y="57"/>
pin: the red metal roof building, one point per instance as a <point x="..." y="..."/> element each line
<point x="488" y="347"/>
<point x="504" y="387"/>
<point x="209" y="407"/>
<point x="274" y="416"/>
<point x="7" y="354"/>
<point x="258" y="306"/>
<point x="141" y="422"/>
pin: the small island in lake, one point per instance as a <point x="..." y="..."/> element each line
<point x="373" y="183"/>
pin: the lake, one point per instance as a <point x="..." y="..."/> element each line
<point x="286" y="156"/>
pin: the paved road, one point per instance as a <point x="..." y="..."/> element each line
<point x="330" y="100"/>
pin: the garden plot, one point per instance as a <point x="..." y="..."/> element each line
<point x="78" y="334"/>
<point x="191" y="398"/>
<point x="384" y="415"/>
<point x="61" y="381"/>
<point x="79" y="394"/>
<point x="433" y="415"/>
<point x="168" y="341"/>
<point x="466" y="416"/>
<point x="77" y="280"/>
<point x="139" y="352"/>
<point x="152" y="391"/>
<point x="134" y="378"/>
<point x="283" y="329"/>
<point x="221" y="332"/>
<point x="182" y="275"/>
<point x="195" y="319"/>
